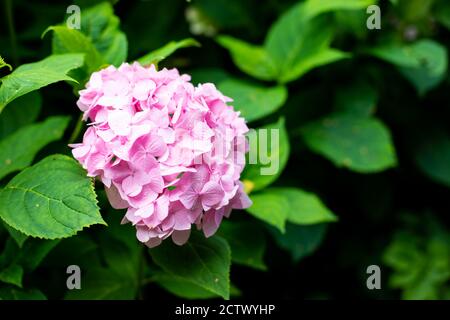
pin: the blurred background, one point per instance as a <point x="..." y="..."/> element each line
<point x="368" y="133"/>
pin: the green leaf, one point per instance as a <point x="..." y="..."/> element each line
<point x="270" y="208"/>
<point x="359" y="144"/>
<point x="12" y="275"/>
<point x="251" y="59"/>
<point x="16" y="261"/>
<point x="299" y="41"/>
<point x="33" y="253"/>
<point x="433" y="158"/>
<point x="253" y="101"/>
<point x="423" y="63"/>
<point x="247" y="243"/>
<point x="118" y="276"/>
<point x="162" y="53"/>
<point x="421" y="264"/>
<point x="38" y="204"/>
<point x="358" y="99"/>
<point x="21" y="112"/>
<point x="19" y="237"/>
<point x="33" y="76"/>
<point x="101" y="26"/>
<point x="118" y="280"/>
<point x="316" y="7"/>
<point x="300" y="241"/>
<point x="270" y="164"/>
<point x="20" y="148"/>
<point x="67" y="40"/>
<point x="323" y="57"/>
<point x="203" y="262"/>
<point x="304" y="207"/>
<point x="12" y="293"/>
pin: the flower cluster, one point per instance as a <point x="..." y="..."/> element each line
<point x="167" y="151"/>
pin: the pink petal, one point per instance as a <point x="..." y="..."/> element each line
<point x="180" y="237"/>
<point x="115" y="199"/>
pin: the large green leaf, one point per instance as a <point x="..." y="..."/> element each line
<point x="21" y="112"/>
<point x="359" y="143"/>
<point x="19" y="148"/>
<point x="67" y="40"/>
<point x="253" y="101"/>
<point x="52" y="199"/>
<point x="251" y="59"/>
<point x="261" y="173"/>
<point x="304" y="207"/>
<point x="423" y="63"/>
<point x="247" y="243"/>
<point x="102" y="27"/>
<point x="271" y="208"/>
<point x="162" y="53"/>
<point x="203" y="262"/>
<point x="32" y="76"/>
<point x="297" y="43"/>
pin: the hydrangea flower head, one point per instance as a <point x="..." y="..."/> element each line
<point x="169" y="152"/>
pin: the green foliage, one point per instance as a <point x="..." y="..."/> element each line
<point x="271" y="208"/>
<point x="101" y="26"/>
<point x="421" y="262"/>
<point x="423" y="63"/>
<point x="203" y="262"/>
<point x="160" y="54"/>
<point x="360" y="144"/>
<point x="21" y="112"/>
<point x="433" y="157"/>
<point x="12" y="293"/>
<point x="19" y="148"/>
<point x="32" y="76"/>
<point x="304" y="207"/>
<point x="260" y="174"/>
<point x="253" y="101"/>
<point x="297" y="43"/>
<point x="58" y="210"/>
<point x="300" y="241"/>
<point x="247" y="243"/>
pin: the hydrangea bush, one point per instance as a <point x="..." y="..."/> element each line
<point x="283" y="146"/>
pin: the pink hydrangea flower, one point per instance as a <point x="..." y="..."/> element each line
<point x="168" y="152"/>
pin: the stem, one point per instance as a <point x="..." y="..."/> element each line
<point x="76" y="130"/>
<point x="12" y="31"/>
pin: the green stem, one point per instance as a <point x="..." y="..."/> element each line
<point x="76" y="130"/>
<point x="12" y="31"/>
